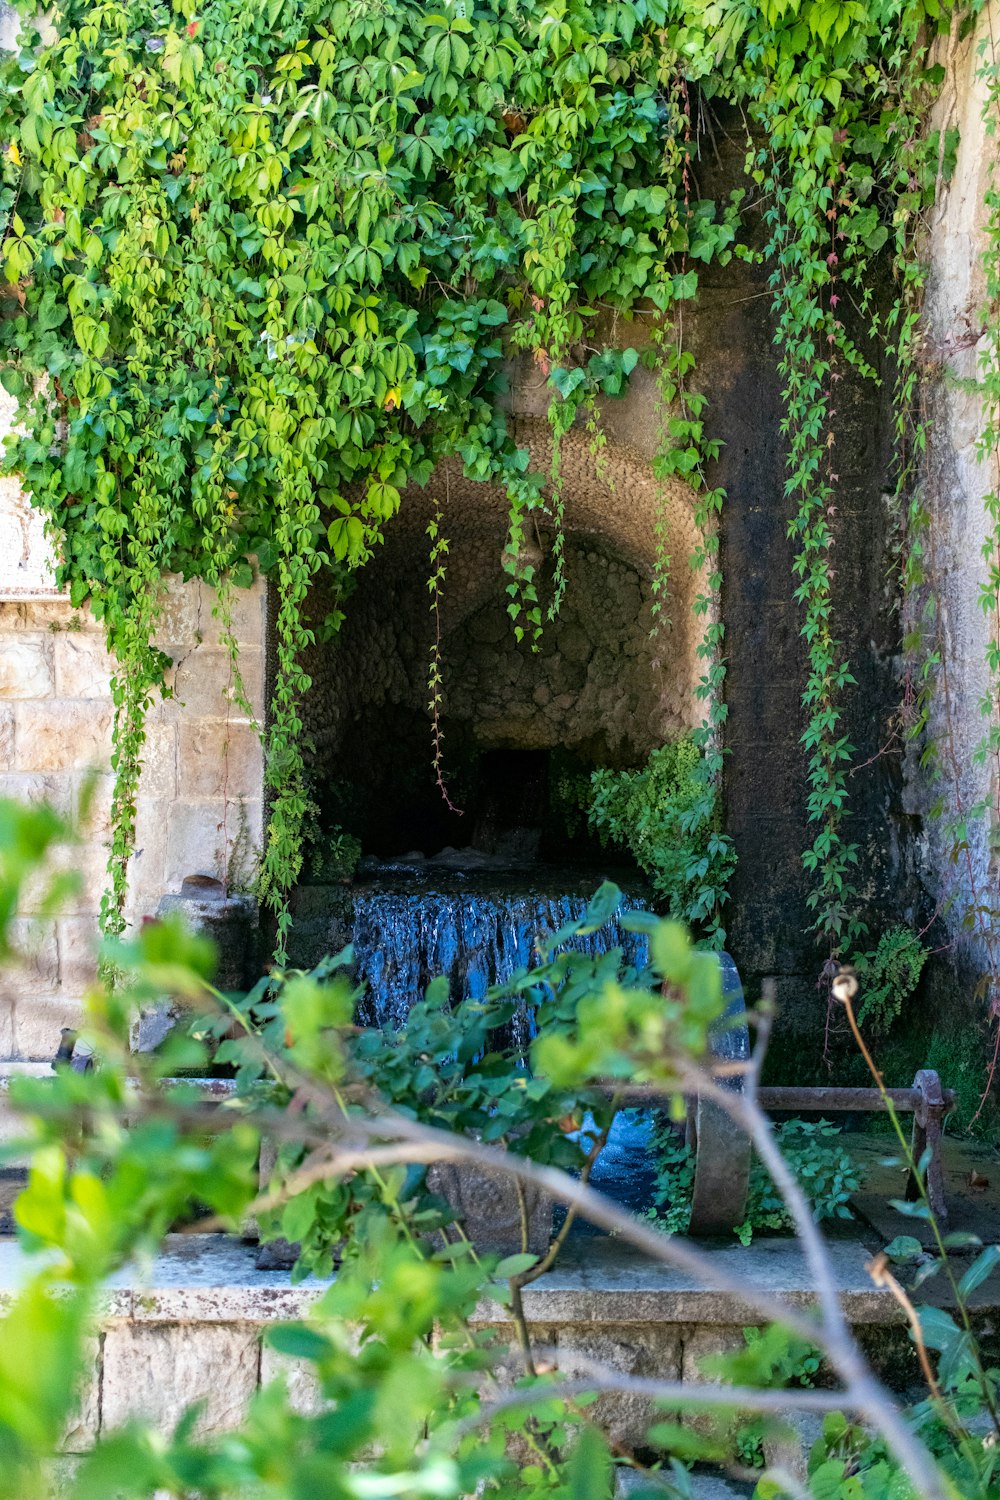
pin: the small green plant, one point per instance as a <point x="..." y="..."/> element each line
<point x="569" y="794"/>
<point x="772" y="1357"/>
<point x="824" y="1168"/>
<point x="666" y="814"/>
<point x="674" y="1181"/>
<point x="825" y="1171"/>
<point x="889" y="974"/>
<point x="335" y="857"/>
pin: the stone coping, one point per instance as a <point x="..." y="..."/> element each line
<point x="213" y="1279"/>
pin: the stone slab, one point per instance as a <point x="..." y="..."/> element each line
<point x="653" y="1352"/>
<point x="974" y="1210"/>
<point x="25" y="671"/>
<point x="213" y="1279"/>
<point x="82" y="1427"/>
<point x="298" y="1377"/>
<point x="38" y="1021"/>
<point x="61" y="735"/>
<point x="83" y="665"/>
<point x="155" y="1371"/>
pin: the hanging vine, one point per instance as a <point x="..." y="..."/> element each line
<point x="268" y="262"/>
<point x="435" y="585"/>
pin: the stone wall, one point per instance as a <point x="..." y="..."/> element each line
<point x="957" y="481"/>
<point x="193" y="1329"/>
<point x="200" y="800"/>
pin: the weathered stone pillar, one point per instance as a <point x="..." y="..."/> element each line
<point x="957" y="481"/>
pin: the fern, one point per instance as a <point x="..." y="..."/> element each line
<point x="889" y="975"/>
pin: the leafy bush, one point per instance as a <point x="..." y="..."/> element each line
<point x="410" y="1404"/>
<point x="335" y="857"/>
<point x="666" y="815"/>
<point x="825" y="1171"/>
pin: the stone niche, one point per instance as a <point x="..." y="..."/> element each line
<point x="600" y="690"/>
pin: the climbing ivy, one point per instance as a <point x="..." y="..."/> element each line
<point x="266" y="259"/>
<point x="983" y="918"/>
<point x="267" y="263"/>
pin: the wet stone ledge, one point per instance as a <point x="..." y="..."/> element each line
<point x="192" y="1329"/>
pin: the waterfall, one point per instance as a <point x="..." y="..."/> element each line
<point x="476" y="936"/>
<point x="478" y="933"/>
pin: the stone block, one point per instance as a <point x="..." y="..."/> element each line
<point x="185" y="615"/>
<point x="159" y="761"/>
<point x="7" y="1002"/>
<point x="88" y="862"/>
<point x="91" y="804"/>
<point x="186" y="618"/>
<point x="82" y="1427"/>
<point x="77" y="938"/>
<point x="156" y="1371"/>
<point x="6" y="736"/>
<point x="788" y="1443"/>
<point x="219" y="759"/>
<point x="202" y="837"/>
<point x="298" y="1376"/>
<point x="34" y="940"/>
<point x="62" y="736"/>
<point x="32" y="788"/>
<point x="45" y="615"/>
<point x="701" y="1344"/>
<point x="38" y="1020"/>
<point x="60" y="1476"/>
<point x="229" y="920"/>
<point x="646" y="1352"/>
<point x="203" y="684"/>
<point x="25" y="671"/>
<point x="506" y="1362"/>
<point x="83" y="665"/>
<point x="488" y="1205"/>
<point x="146" y="872"/>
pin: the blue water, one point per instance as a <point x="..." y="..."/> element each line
<point x="474" y="934"/>
<point x="478" y="932"/>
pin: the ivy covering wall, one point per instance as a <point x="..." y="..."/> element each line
<point x="267" y="264"/>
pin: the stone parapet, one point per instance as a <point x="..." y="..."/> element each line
<point x="192" y="1330"/>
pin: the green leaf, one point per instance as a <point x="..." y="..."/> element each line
<point x="903" y="1249"/>
<point x="515" y="1265"/>
<point x="601" y="907"/>
<point x="980" y="1269"/>
<point x="590" y="1473"/>
<point x="938" y="1328"/>
<point x="299" y="1341"/>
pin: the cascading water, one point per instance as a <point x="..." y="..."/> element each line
<point x="478" y="931"/>
<point x="475" y="935"/>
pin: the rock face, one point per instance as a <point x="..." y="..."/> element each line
<point x="959" y="477"/>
